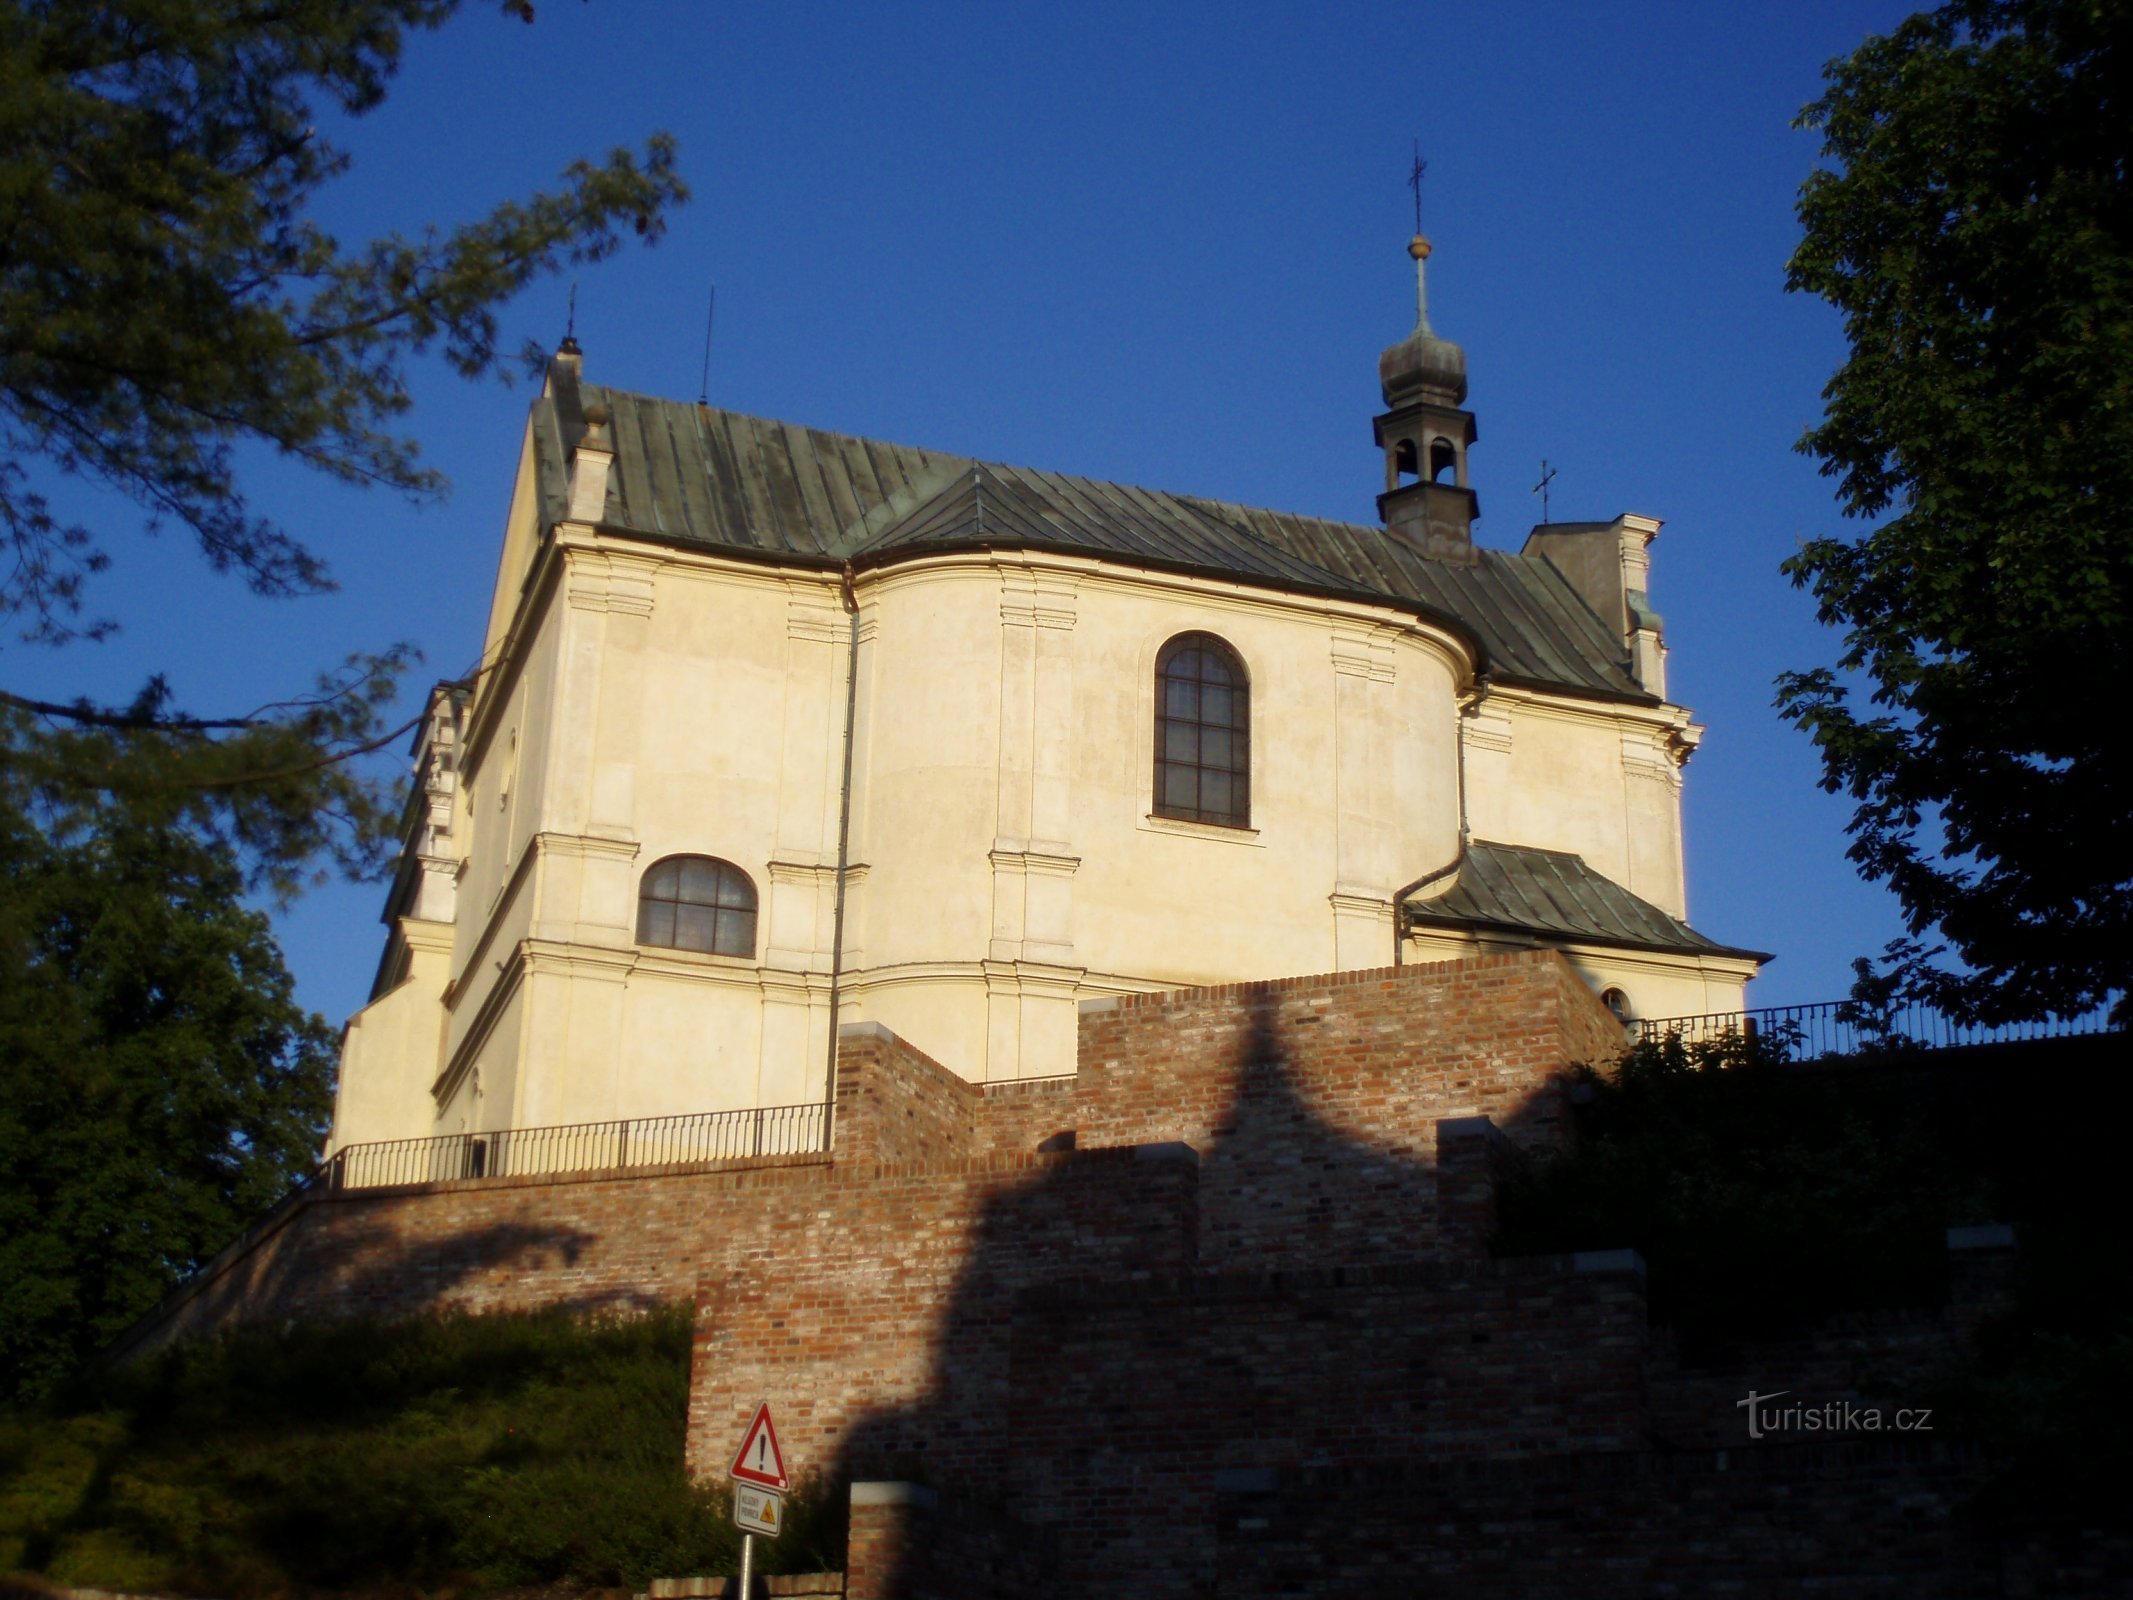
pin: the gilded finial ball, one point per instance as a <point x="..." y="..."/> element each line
<point x="1418" y="247"/>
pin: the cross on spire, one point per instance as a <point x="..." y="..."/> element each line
<point x="1414" y="182"/>
<point x="1541" y="488"/>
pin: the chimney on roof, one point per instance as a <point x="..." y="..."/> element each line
<point x="1610" y="564"/>
<point x="590" y="464"/>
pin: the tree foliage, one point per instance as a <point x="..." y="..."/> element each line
<point x="167" y="298"/>
<point x="1975" y="229"/>
<point x="159" y="1085"/>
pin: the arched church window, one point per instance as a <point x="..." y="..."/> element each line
<point x="697" y="903"/>
<point x="1442" y="459"/>
<point x="1618" y="1002"/>
<point x="1203" y="728"/>
<point x="1403" y="459"/>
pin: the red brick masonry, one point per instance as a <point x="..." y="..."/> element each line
<point x="1213" y="1315"/>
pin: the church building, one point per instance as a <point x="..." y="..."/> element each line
<point x="777" y="729"/>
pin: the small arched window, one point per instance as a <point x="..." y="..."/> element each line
<point x="697" y="903"/>
<point x="1618" y="1002"/>
<point x="1203" y="727"/>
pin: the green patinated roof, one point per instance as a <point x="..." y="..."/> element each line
<point x="1554" y="893"/>
<point x="693" y="474"/>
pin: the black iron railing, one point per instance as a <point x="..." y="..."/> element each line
<point x="578" y="1147"/>
<point x="1846" y="1028"/>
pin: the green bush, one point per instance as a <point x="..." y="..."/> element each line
<point x="456" y="1452"/>
<point x="1761" y="1195"/>
<point x="1764" y="1196"/>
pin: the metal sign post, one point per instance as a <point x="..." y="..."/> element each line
<point x="759" y="1485"/>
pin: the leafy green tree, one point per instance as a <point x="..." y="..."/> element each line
<point x="1975" y="228"/>
<point x="166" y="297"/>
<point x="159" y="1085"/>
<point x="167" y="300"/>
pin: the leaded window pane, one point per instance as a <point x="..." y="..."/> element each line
<point x="697" y="903"/>
<point x="736" y="933"/>
<point x="1203" y="722"/>
<point x="692" y="927"/>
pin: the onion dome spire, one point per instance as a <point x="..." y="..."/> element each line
<point x="1422" y="366"/>
<point x="1426" y="432"/>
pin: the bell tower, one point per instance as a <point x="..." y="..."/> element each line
<point x="1426" y="434"/>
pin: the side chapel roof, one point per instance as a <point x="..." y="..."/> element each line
<point x="1517" y="889"/>
<point x="749" y="486"/>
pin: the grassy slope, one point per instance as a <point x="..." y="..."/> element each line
<point x="458" y="1452"/>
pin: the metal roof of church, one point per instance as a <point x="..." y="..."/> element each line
<point x="697" y="475"/>
<point x="1517" y="889"/>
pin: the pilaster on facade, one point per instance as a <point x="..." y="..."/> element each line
<point x="1648" y="754"/>
<point x="1031" y="1014"/>
<point x="801" y="913"/>
<point x="604" y="580"/>
<point x="1033" y="596"/>
<point x="431" y="891"/>
<point x="1366" y="821"/>
<point x="1032" y="864"/>
<point x="1487" y="729"/>
<point x="811" y="731"/>
<point x="1359" y="654"/>
<point x="1362" y="926"/>
<point x="425" y="937"/>
<point x="1032" y="901"/>
<point x="569" y="1068"/>
<point x="793" y="1056"/>
<point x="586" y="888"/>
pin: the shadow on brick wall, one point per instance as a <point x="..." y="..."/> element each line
<point x="322" y="1262"/>
<point x="1100" y="1369"/>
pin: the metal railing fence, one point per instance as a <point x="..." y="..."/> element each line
<point x="578" y="1147"/>
<point x="1846" y="1028"/>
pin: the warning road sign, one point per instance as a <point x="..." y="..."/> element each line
<point x="759" y="1461"/>
<point x="758" y="1510"/>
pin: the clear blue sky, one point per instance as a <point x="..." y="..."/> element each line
<point x="1162" y="244"/>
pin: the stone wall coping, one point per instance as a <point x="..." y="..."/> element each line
<point x="1787" y="1458"/>
<point x="1232" y="1287"/>
<point x="866" y="1030"/>
<point x="1167" y="1150"/>
<point x="892" y="1493"/>
<point x="1607" y="1261"/>
<point x="1384" y="977"/>
<point x="544" y="1180"/>
<point x="1051" y="1082"/>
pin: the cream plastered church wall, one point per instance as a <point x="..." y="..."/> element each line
<point x="1602" y="780"/>
<point x="642" y="702"/>
<point x="1005" y="754"/>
